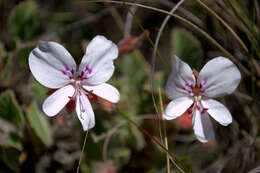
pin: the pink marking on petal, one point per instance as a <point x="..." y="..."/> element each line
<point x="63" y="72"/>
<point x="189" y="110"/>
<point x="204" y="110"/>
<point x="67" y="68"/>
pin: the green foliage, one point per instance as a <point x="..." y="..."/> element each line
<point x="13" y="140"/>
<point x="9" y="109"/>
<point x="39" y="124"/>
<point x="39" y="91"/>
<point x="134" y="73"/>
<point x="9" y="157"/>
<point x="24" y="20"/>
<point x="187" y="47"/>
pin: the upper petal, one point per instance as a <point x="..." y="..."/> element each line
<point x="55" y="102"/>
<point x="217" y="111"/>
<point x="180" y="77"/>
<point x="105" y="91"/>
<point x="85" y="112"/>
<point x="219" y="77"/>
<point x="98" y="60"/>
<point x="202" y="126"/>
<point x="47" y="63"/>
<point x="177" y="107"/>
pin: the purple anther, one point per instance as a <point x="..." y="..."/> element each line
<point x="63" y="72"/>
<point x="200" y="85"/>
<point x="72" y="71"/>
<point x="89" y="70"/>
<point x="82" y="73"/>
<point x="70" y="77"/>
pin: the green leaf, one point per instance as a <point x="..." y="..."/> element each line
<point x="187" y="47"/>
<point x="9" y="109"/>
<point x="23" y="21"/>
<point x="134" y="69"/>
<point x="13" y="140"/>
<point x="9" y="157"/>
<point x="39" y="91"/>
<point x="39" y="124"/>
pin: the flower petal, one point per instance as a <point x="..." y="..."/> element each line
<point x="180" y="77"/>
<point x="217" y="111"/>
<point x="47" y="61"/>
<point x="55" y="102"/>
<point x="177" y="107"/>
<point x="85" y="112"/>
<point x="98" y="60"/>
<point x="105" y="91"/>
<point x="219" y="77"/>
<point x="202" y="126"/>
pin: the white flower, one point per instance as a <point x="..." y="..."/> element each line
<point x="188" y="88"/>
<point x="53" y="66"/>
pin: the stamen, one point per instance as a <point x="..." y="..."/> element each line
<point x="84" y="75"/>
<point x="68" y="72"/>
<point x="197" y="107"/>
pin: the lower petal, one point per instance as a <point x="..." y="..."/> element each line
<point x="217" y="111"/>
<point x="202" y="126"/>
<point x="85" y="112"/>
<point x="55" y="102"/>
<point x="177" y="107"/>
<point x="105" y="91"/>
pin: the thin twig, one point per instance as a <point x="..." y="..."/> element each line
<point x="129" y="21"/>
<point x="164" y="131"/>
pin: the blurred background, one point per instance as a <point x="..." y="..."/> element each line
<point x="32" y="142"/>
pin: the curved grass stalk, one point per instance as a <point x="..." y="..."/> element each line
<point x="164" y="131"/>
<point x="153" y="66"/>
<point x="257" y="67"/>
<point x="173" y="158"/>
<point x="152" y="75"/>
<point x="225" y="24"/>
<point x="212" y="40"/>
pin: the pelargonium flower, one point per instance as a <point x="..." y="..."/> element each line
<point x="190" y="90"/>
<point x="53" y="66"/>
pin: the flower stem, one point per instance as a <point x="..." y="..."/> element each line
<point x="82" y="151"/>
